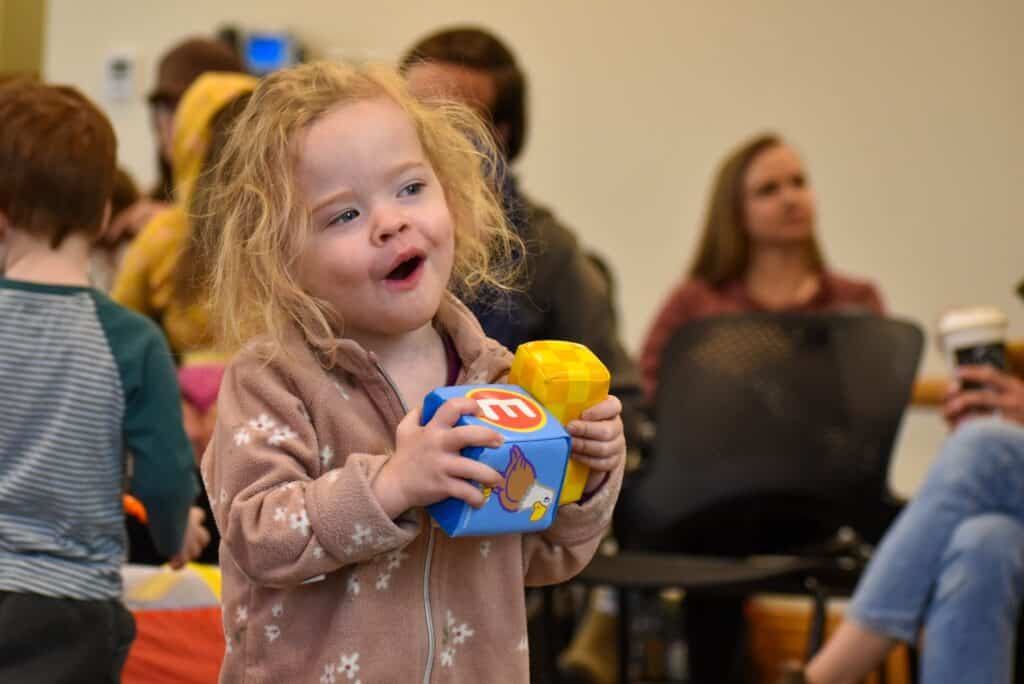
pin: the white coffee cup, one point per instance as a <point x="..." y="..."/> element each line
<point x="974" y="336"/>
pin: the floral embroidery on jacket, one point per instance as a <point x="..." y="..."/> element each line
<point x="281" y="434"/>
<point x="455" y="634"/>
<point x="362" y="535"/>
<point x="300" y="522"/>
<point x="262" y="424"/>
<point x="348" y="665"/>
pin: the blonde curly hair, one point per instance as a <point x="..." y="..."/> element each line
<point x="259" y="221"/>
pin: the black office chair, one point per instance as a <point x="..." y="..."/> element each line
<point x="774" y="432"/>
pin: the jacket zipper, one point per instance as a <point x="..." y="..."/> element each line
<point x="431" y="646"/>
<point x="426" y="605"/>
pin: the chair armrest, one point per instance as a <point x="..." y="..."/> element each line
<point x="929" y="391"/>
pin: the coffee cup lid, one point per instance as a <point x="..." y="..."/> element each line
<point x="972" y="317"/>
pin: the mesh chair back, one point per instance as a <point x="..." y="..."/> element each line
<point x="772" y="430"/>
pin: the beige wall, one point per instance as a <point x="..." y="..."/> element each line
<point x="909" y="115"/>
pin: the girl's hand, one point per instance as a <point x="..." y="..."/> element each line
<point x="196" y="539"/>
<point x="1000" y="391"/>
<point x="427" y="466"/>
<point x="598" y="441"/>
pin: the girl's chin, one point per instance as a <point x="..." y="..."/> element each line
<point x="411" y="323"/>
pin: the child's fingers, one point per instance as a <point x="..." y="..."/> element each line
<point x="450" y="411"/>
<point x="602" y="431"/>
<point x="463" y="436"/>
<point x="603" y="410"/>
<point x="411" y="420"/>
<point x="468" y="493"/>
<point x="601" y="463"/>
<point x="469" y="469"/>
<point x="597" y="449"/>
<point x="598" y="444"/>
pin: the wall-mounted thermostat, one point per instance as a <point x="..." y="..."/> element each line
<point x="119" y="74"/>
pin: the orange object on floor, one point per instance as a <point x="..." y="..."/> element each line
<point x="179" y="637"/>
<point x="176" y="646"/>
<point x="779" y="628"/>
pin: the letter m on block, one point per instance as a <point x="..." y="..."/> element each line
<point x="511" y="408"/>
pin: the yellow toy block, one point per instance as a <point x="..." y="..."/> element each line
<point x="567" y="378"/>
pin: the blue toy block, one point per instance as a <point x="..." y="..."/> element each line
<point x="533" y="460"/>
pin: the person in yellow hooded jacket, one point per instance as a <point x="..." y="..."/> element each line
<point x="162" y="275"/>
<point x="149" y="279"/>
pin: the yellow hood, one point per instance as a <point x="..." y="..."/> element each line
<point x="207" y="95"/>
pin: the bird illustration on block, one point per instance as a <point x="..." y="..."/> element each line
<point x="521" y="491"/>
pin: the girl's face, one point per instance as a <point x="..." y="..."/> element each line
<point x="778" y="202"/>
<point x="383" y="240"/>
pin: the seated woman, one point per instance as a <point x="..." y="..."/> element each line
<point x="758" y="252"/>
<point x="952" y="564"/>
<point x="176" y="70"/>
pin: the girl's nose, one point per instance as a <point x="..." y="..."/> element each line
<point x="387" y="224"/>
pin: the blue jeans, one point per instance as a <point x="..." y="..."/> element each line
<point x="953" y="562"/>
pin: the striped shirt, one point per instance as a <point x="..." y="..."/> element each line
<point x="83" y="382"/>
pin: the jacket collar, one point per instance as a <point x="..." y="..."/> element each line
<point x="483" y="360"/>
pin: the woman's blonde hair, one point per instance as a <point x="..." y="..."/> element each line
<point x="263" y="220"/>
<point x="724" y="252"/>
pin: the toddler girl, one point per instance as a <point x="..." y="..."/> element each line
<point x="346" y="210"/>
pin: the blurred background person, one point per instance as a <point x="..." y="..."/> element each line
<point x="107" y="257"/>
<point x="758" y="252"/>
<point x="564" y="295"/>
<point x="176" y="71"/>
<point x="163" y="272"/>
<point x="949" y="573"/>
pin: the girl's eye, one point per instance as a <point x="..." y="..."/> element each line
<point x="767" y="189"/>
<point x="344" y="217"/>
<point x="414" y="188"/>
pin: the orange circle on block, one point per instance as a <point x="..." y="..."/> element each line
<point x="508" y="410"/>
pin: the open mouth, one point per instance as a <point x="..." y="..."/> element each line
<point x="405" y="268"/>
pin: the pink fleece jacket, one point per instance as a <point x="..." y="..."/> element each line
<point x="319" y="584"/>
